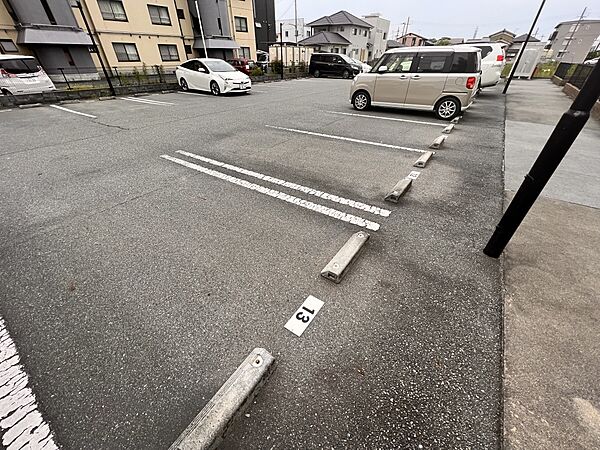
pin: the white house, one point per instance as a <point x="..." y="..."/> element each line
<point x="341" y="32"/>
<point x="289" y="30"/>
<point x="378" y="35"/>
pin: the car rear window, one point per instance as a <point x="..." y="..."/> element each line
<point x="485" y="50"/>
<point x="18" y="66"/>
<point x="464" y="63"/>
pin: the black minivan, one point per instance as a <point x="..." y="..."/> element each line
<point x="333" y="64"/>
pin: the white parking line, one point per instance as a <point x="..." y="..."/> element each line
<point x="342" y="138"/>
<point x="395" y="119"/>
<point x="148" y="102"/>
<point x="5" y="110"/>
<point x="297" y="187"/>
<point x="339" y="215"/>
<point x="21" y="424"/>
<point x="189" y="93"/>
<point x="71" y="111"/>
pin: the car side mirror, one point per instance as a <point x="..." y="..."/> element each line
<point x="382" y="69"/>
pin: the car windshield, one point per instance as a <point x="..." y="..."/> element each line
<point x="17" y="66"/>
<point x="219" y="66"/>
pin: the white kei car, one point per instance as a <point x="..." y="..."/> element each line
<point x="213" y="75"/>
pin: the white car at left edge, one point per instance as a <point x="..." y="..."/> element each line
<point x="213" y="75"/>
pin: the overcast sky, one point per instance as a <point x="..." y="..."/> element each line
<point x="454" y="18"/>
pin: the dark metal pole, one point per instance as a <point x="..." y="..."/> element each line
<point x="520" y="55"/>
<point x="559" y="143"/>
<point x="281" y="44"/>
<point x="87" y="25"/>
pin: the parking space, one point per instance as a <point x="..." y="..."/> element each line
<point x="151" y="242"/>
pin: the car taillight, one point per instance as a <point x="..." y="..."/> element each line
<point x="247" y="67"/>
<point x="500" y="58"/>
<point x="471" y="82"/>
<point x="5" y="74"/>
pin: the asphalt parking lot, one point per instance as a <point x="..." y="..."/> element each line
<point x="133" y="285"/>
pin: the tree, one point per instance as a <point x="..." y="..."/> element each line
<point x="443" y="41"/>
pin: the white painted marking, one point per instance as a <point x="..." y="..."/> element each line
<point x="189" y="93"/>
<point x="336" y="214"/>
<point x="71" y="111"/>
<point x="21" y="424"/>
<point x="304" y="316"/>
<point x="342" y="138"/>
<point x="413" y="175"/>
<point x="5" y="110"/>
<point x="148" y="102"/>
<point x="394" y="119"/>
<point x="296" y="187"/>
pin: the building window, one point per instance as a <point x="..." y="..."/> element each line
<point x="245" y="52"/>
<point x="8" y="46"/>
<point x="68" y="56"/>
<point x="384" y="36"/>
<point x="287" y="34"/>
<point x="241" y="24"/>
<point x="355" y="31"/>
<point x="159" y="15"/>
<point x="366" y="32"/>
<point x="342" y="28"/>
<point x="168" y="52"/>
<point x="112" y="10"/>
<point x="188" y="49"/>
<point x="180" y="14"/>
<point x="414" y="41"/>
<point x="126" y="52"/>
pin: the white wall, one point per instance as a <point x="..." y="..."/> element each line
<point x="378" y="36"/>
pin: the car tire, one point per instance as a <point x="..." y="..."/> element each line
<point x="184" y="85"/>
<point x="346" y="74"/>
<point x="447" y="108"/>
<point x="214" y="88"/>
<point x="361" y="101"/>
<point x="317" y="73"/>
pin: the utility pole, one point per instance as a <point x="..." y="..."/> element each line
<point x="201" y="30"/>
<point x="516" y="64"/>
<point x="476" y="31"/>
<point x="574" y="31"/>
<point x="95" y="47"/>
<point x="407" y="25"/>
<point x="557" y="146"/>
<point x="296" y="19"/>
<point x="281" y="45"/>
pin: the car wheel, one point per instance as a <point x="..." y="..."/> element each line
<point x="184" y="85"/>
<point x="317" y="73"/>
<point x="361" y="101"/>
<point x="447" y="108"/>
<point x="214" y="88"/>
<point x="346" y="74"/>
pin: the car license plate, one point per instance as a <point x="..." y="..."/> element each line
<point x="30" y="80"/>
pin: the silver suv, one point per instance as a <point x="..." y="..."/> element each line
<point x="439" y="79"/>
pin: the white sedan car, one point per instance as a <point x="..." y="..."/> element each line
<point x="213" y="75"/>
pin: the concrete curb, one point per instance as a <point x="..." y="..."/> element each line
<point x="30" y="105"/>
<point x="439" y="141"/>
<point x="337" y="268"/>
<point x="422" y="161"/>
<point x="209" y="427"/>
<point x="399" y="190"/>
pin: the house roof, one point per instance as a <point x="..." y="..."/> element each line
<point x="394" y="44"/>
<point x="411" y="35"/>
<point x="505" y="31"/>
<point x="455" y="41"/>
<point x="325" y="38"/>
<point x="340" y="18"/>
<point x="522" y="38"/>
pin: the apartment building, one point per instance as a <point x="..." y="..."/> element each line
<point x="244" y="33"/>
<point x="572" y="41"/>
<point x="48" y="30"/>
<point x="341" y="32"/>
<point x="378" y="35"/>
<point x="265" y="28"/>
<point x="133" y="33"/>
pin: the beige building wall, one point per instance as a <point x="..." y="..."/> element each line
<point x="8" y="31"/>
<point x="139" y="30"/>
<point x="243" y="8"/>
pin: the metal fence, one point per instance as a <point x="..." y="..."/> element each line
<point x="575" y="74"/>
<point x="79" y="78"/>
